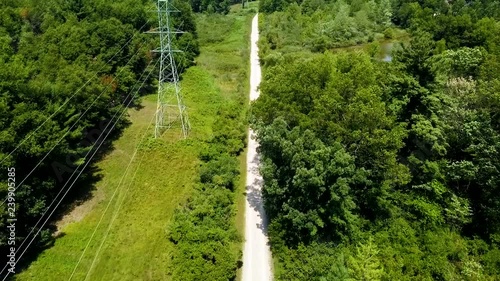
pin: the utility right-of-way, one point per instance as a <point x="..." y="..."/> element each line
<point x="256" y="254"/>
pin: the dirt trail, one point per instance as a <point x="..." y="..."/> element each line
<point x="256" y="254"/>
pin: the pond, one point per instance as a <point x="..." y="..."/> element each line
<point x="386" y="51"/>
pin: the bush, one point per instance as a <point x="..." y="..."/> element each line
<point x="221" y="172"/>
<point x="203" y="230"/>
<point x="389" y="33"/>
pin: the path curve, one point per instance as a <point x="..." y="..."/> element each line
<point x="256" y="253"/>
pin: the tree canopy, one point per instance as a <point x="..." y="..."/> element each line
<point x="388" y="170"/>
<point x="66" y="69"/>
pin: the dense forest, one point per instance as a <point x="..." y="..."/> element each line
<point x="68" y="70"/>
<point x="373" y="170"/>
<point x="380" y="170"/>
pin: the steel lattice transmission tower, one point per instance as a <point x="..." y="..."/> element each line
<point x="170" y="107"/>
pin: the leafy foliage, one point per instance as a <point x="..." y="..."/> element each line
<point x="203" y="229"/>
<point x="298" y="168"/>
<point x="401" y="158"/>
<point x="207" y="244"/>
<point x="68" y="61"/>
<point x="322" y="25"/>
<point x="214" y="6"/>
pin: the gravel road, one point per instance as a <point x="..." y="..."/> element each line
<point x="256" y="254"/>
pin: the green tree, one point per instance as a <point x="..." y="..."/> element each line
<point x="364" y="264"/>
<point x="310" y="175"/>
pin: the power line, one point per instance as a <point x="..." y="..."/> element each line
<point x="170" y="108"/>
<point x="71" y="97"/>
<point x="110" y="200"/>
<point x="74" y="124"/>
<point x="109" y="203"/>
<point x="100" y="142"/>
<point x="121" y="203"/>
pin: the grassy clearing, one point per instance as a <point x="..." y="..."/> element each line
<point x="161" y="177"/>
<point x="132" y="246"/>
<point x="227" y="43"/>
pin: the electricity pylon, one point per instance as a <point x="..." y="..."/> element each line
<point x="170" y="107"/>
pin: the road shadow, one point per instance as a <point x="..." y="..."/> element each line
<point x="254" y="195"/>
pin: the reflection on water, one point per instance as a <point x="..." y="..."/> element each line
<point x="386" y="51"/>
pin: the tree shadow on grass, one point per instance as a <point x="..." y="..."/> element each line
<point x="80" y="192"/>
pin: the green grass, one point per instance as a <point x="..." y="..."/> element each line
<point x="240" y="203"/>
<point x="161" y="177"/>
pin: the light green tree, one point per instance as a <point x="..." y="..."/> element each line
<point x="364" y="265"/>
